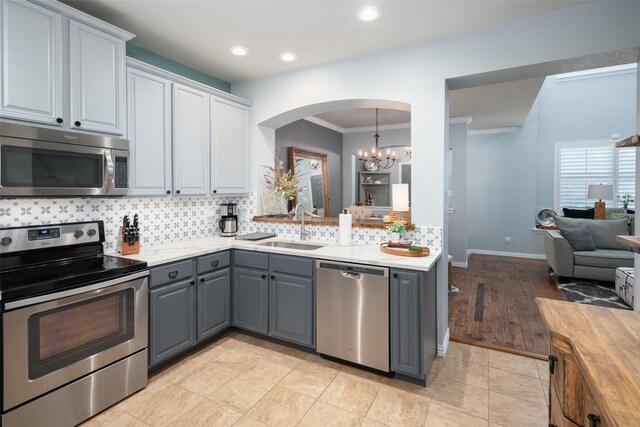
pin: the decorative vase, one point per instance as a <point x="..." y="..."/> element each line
<point x="274" y="203"/>
<point x="395" y="236"/>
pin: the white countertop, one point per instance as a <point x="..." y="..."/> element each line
<point x="362" y="254"/>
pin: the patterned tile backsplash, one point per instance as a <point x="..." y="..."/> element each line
<point x="174" y="219"/>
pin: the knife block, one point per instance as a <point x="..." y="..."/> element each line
<point x="123" y="247"/>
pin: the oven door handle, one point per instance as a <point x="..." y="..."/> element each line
<point x="110" y="172"/>
<point x="71" y="292"/>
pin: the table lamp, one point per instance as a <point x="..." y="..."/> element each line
<point x="400" y="210"/>
<point x="600" y="192"/>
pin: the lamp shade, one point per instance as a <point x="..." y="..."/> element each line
<point x="400" y="197"/>
<point x="600" y="192"/>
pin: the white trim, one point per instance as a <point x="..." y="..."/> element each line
<point x="494" y="130"/>
<point x="461" y="119"/>
<point x="506" y="254"/>
<point x="382" y="127"/>
<point x="442" y="348"/>
<point x="598" y="72"/>
<point x="85" y="18"/>
<point x="324" y="123"/>
<point x="459" y="264"/>
<point x="176" y="78"/>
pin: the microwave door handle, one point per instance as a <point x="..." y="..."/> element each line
<point x="110" y="173"/>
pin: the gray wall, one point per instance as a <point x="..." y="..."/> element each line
<point x="511" y="176"/>
<point x="307" y="135"/>
<point x="458" y="191"/>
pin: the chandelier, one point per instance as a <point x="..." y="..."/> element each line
<point x="377" y="160"/>
<point x="315" y="164"/>
<point x="407" y="152"/>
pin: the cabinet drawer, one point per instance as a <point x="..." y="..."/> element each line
<point x="292" y="265"/>
<point x="556" y="417"/>
<point x="213" y="262"/>
<point x="171" y="273"/>
<point x="251" y="259"/>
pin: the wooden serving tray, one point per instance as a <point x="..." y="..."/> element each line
<point x="404" y="252"/>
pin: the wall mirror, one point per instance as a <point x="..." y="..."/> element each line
<point x="313" y="170"/>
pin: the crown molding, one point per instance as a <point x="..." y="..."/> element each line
<point x="324" y="123"/>
<point x="383" y="127"/>
<point x="462" y="119"/>
<point x="494" y="130"/>
<point x="598" y="72"/>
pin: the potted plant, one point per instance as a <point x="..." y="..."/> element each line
<point x="626" y="200"/>
<point x="282" y="182"/>
<point x="397" y="229"/>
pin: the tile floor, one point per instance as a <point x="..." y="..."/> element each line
<point x="243" y="381"/>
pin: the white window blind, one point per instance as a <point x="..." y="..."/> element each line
<point x="581" y="164"/>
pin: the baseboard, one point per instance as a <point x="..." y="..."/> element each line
<point x="460" y="264"/>
<point x="442" y="348"/>
<point x="506" y="254"/>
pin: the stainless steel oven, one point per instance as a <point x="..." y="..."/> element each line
<point x="74" y="324"/>
<point x="52" y="340"/>
<point x="37" y="161"/>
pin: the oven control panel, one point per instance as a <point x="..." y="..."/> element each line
<point x="50" y="236"/>
<point x="43" y="233"/>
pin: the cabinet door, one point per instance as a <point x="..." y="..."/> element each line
<point x="229" y="147"/>
<point x="405" y="322"/>
<point x="251" y="300"/>
<point x="149" y="101"/>
<point x="172" y="327"/>
<point x="31" y="81"/>
<point x="291" y="308"/>
<point x="97" y="80"/>
<point x="214" y="303"/>
<point x="190" y="141"/>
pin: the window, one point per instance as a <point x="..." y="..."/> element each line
<point x="579" y="164"/>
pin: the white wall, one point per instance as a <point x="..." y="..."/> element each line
<point x="418" y="75"/>
<point x="458" y="199"/>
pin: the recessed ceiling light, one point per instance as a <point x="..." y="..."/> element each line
<point x="288" y="56"/>
<point x="369" y="13"/>
<point x="239" y="51"/>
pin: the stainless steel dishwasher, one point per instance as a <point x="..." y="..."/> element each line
<point x="353" y="313"/>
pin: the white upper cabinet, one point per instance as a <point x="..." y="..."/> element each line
<point x="61" y="67"/>
<point x="31" y="81"/>
<point x="96" y="71"/>
<point x="229" y="147"/>
<point x="149" y="107"/>
<point x="190" y="141"/>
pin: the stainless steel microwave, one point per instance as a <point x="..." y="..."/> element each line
<point x="36" y="161"/>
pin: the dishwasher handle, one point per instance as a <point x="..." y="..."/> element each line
<point x="348" y="275"/>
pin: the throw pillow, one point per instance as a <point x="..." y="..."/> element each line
<point x="579" y="213"/>
<point x="579" y="238"/>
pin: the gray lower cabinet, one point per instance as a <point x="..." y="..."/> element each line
<point x="172" y="320"/>
<point x="405" y="323"/>
<point x="251" y="299"/>
<point x="214" y="303"/>
<point x="291" y="308"/>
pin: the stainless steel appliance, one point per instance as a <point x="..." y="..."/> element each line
<point x="47" y="162"/>
<point x="74" y="324"/>
<point x="228" y="224"/>
<point x="353" y="313"/>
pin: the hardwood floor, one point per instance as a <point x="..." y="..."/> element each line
<point x="496" y="305"/>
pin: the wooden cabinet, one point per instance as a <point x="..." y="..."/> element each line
<point x="229" y="147"/>
<point x="62" y="68"/>
<point x="291" y="308"/>
<point x="214" y="299"/>
<point x="172" y="320"/>
<point x="190" y="141"/>
<point x="31" y="80"/>
<point x="251" y="299"/>
<point x="149" y="123"/>
<point x="97" y="80"/>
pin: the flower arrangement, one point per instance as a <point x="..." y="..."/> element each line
<point x="626" y="200"/>
<point x="281" y="180"/>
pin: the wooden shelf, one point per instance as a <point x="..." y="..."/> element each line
<point x="632" y="141"/>
<point x="364" y="183"/>
<point x="631" y="241"/>
<point x="328" y="221"/>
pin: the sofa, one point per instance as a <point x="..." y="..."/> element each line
<point x="599" y="264"/>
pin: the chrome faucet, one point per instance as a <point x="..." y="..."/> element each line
<point x="303" y="233"/>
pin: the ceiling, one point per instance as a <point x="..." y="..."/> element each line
<point x="364" y="118"/>
<point x="199" y="33"/>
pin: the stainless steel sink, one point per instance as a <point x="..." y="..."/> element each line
<point x="292" y="245"/>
